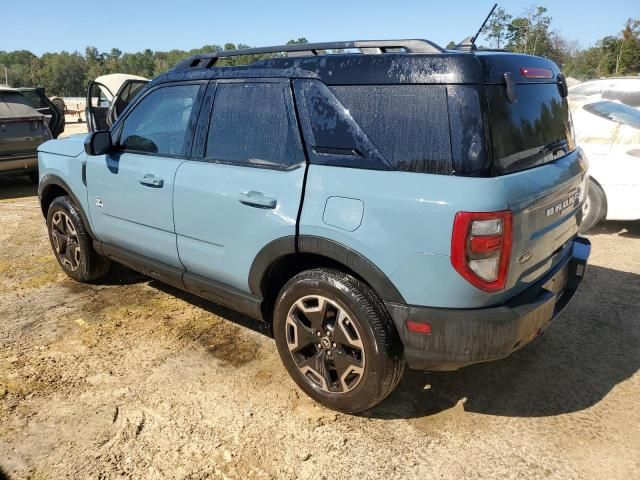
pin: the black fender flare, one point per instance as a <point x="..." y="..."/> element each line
<point x="53" y="180"/>
<point x="327" y="248"/>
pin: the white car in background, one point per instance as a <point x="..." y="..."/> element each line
<point x="609" y="133"/>
<point x="107" y="97"/>
<point x="622" y="89"/>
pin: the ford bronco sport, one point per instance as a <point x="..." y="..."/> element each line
<point x="388" y="203"/>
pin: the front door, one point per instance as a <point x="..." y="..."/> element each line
<point x="131" y="189"/>
<point x="245" y="191"/>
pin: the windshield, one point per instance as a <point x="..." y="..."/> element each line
<point x="616" y="112"/>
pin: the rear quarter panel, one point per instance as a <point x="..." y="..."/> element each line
<point x="406" y="226"/>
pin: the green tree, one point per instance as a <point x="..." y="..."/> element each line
<point x="497" y="27"/>
<point x="299" y="41"/>
<point x="628" y="59"/>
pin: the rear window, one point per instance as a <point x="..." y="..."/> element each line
<point x="407" y="123"/>
<point x="14" y="97"/>
<point x="534" y="130"/>
<point x="616" y="112"/>
<point x="14" y="104"/>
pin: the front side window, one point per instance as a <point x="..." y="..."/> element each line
<point x="254" y="124"/>
<point x="159" y="123"/>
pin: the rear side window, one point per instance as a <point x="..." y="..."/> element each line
<point x="159" y="122"/>
<point x="254" y="124"/>
<point x="616" y="112"/>
<point x="408" y="124"/>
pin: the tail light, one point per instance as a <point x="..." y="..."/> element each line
<point x="481" y="248"/>
<point x="532" y="72"/>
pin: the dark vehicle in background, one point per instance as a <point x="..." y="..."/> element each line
<point x="22" y="130"/>
<point x="45" y="106"/>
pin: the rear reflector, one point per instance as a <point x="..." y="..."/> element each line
<point x="527" y="72"/>
<point x="416" y="327"/>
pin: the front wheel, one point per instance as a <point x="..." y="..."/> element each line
<point x="71" y="242"/>
<point x="337" y="340"/>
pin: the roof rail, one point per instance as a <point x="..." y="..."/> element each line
<point x="368" y="47"/>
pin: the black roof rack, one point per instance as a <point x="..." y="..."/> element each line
<point x="367" y="47"/>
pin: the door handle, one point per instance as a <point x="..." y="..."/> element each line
<point x="151" y="180"/>
<point x="258" y="199"/>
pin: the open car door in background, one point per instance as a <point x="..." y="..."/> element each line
<point x="42" y="104"/>
<point x="124" y="96"/>
<point x="98" y="101"/>
<point x="103" y="106"/>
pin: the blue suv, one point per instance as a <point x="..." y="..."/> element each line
<point x="379" y="203"/>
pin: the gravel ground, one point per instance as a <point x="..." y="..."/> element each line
<point x="131" y="378"/>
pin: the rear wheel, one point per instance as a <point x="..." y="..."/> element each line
<point x="593" y="208"/>
<point x="71" y="242"/>
<point x="337" y="340"/>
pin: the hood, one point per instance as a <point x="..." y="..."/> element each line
<point x="71" y="146"/>
<point x="114" y="81"/>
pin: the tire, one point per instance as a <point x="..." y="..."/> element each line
<point x="594" y="208"/>
<point x="71" y="243"/>
<point x="59" y="104"/>
<point x="357" y="360"/>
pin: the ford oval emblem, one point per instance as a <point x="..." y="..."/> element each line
<point x="525" y="256"/>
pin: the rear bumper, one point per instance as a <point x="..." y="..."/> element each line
<point x="463" y="337"/>
<point x="15" y="164"/>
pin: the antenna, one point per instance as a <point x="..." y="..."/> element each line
<point x="475" y="37"/>
<point x="469" y="43"/>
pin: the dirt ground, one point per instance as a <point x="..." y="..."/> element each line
<point x="131" y="378"/>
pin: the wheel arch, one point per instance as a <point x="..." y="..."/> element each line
<point x="605" y="205"/>
<point x="283" y="258"/>
<point x="52" y="186"/>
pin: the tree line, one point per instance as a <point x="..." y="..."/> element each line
<point x="531" y="32"/>
<point x="67" y="74"/>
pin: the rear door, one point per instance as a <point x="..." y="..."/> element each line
<point x="535" y="158"/>
<point x="244" y="190"/>
<point x="130" y="191"/>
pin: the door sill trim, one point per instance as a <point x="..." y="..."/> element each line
<point x="208" y="289"/>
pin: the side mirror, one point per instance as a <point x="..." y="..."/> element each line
<point x="98" y="143"/>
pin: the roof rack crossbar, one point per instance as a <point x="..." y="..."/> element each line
<point x="312" y="49"/>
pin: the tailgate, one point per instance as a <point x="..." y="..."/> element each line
<point x="535" y="158"/>
<point x="22" y="137"/>
<point x="546" y="202"/>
